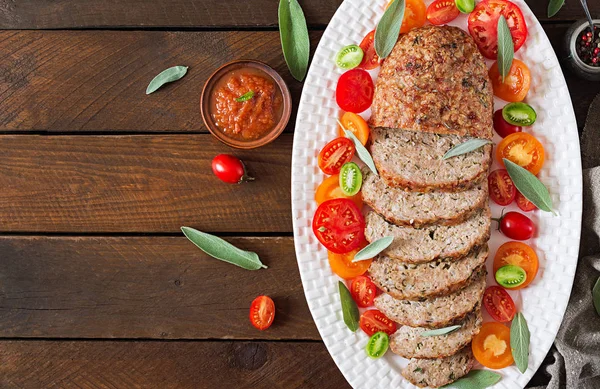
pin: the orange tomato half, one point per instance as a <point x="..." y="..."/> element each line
<point x="516" y="83"/>
<point x="523" y="149"/>
<point x="330" y="189"/>
<point x="518" y="254"/>
<point x="355" y="124"/>
<point x="415" y="15"/>
<point x="342" y="265"/>
<point x="491" y="347"/>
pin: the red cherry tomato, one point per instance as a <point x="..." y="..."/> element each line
<point x="229" y="169"/>
<point x="516" y="226"/>
<point x="335" y="154"/>
<point x="373" y="321"/>
<point x="370" y="59"/>
<point x="339" y="225"/>
<point x="501" y="188"/>
<point x="442" y="12"/>
<point x="499" y="304"/>
<point x="502" y="127"/>
<point x="363" y="291"/>
<point x="525" y="204"/>
<point x="262" y="312"/>
<point x="354" y="91"/>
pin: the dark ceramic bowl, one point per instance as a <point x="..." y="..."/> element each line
<point x="573" y="61"/>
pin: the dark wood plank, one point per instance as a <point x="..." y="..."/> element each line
<point x="143" y="183"/>
<point x="145" y="287"/>
<point x="167" y="365"/>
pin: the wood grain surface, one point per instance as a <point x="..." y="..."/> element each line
<point x="141" y="183"/>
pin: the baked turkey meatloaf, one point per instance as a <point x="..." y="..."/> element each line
<point x="435" y="80"/>
<point x="439" y="372"/>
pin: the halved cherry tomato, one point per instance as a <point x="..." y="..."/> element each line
<point x="499" y="304"/>
<point x="491" y="347"/>
<point x="373" y="321"/>
<point x="339" y="225"/>
<point x="502" y="127"/>
<point x="525" y="204"/>
<point x="516" y="84"/>
<point x="483" y="25"/>
<point x="335" y="154"/>
<point x="342" y="265"/>
<point x="356" y="125"/>
<point x="262" y="312"/>
<point x="370" y="59"/>
<point x="523" y="149"/>
<point x="516" y="226"/>
<point x="363" y="291"/>
<point x="354" y="91"/>
<point x="501" y="188"/>
<point x="518" y="254"/>
<point x="415" y="15"/>
<point x="330" y="189"/>
<point x="442" y="12"/>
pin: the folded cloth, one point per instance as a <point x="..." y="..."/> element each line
<point x="577" y="346"/>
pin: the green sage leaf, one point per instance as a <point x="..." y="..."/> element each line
<point x="596" y="296"/>
<point x="361" y="150"/>
<point x="373" y="248"/>
<point x="349" y="308"/>
<point x="554" y="6"/>
<point x="223" y="250"/>
<point x="388" y="28"/>
<point x="529" y="186"/>
<point x="441" y="331"/>
<point x="245" y="97"/>
<point x="294" y="37"/>
<point x="168" y="75"/>
<point x="476" y="379"/>
<point x="519" y="341"/>
<point x="466" y="147"/>
<point x="506" y="48"/>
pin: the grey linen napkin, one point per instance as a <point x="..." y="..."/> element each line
<point x="577" y="346"/>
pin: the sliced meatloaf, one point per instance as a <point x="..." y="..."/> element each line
<point x="414" y="161"/>
<point x="435" y="80"/>
<point x="416" y="281"/>
<point x="435" y="312"/>
<point x="439" y="372"/>
<point x="418" y="245"/>
<point x="408" y="342"/>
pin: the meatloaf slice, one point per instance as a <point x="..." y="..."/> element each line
<point x="416" y="281"/>
<point x="435" y="80"/>
<point x="435" y="312"/>
<point x="402" y="207"/>
<point x="418" y="245"/>
<point x="439" y="372"/>
<point x="414" y="161"/>
<point x="408" y="342"/>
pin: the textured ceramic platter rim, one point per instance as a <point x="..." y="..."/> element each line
<point x="557" y="243"/>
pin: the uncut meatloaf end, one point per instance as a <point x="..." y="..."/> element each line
<point x="439" y="372"/>
<point x="435" y="80"/>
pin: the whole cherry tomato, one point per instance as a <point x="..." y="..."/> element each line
<point x="502" y="127"/>
<point x="230" y="169"/>
<point x="516" y="226"/>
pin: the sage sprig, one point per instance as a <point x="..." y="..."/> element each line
<point x="361" y="150"/>
<point x="529" y="186"/>
<point x="476" y="379"/>
<point x="554" y="6"/>
<point x="373" y="248"/>
<point x="466" y="147"/>
<point x="441" y="331"/>
<point x="519" y="341"/>
<point x="596" y="296"/>
<point x="349" y="308"/>
<point x="223" y="250"/>
<point x="293" y="32"/>
<point x="388" y="28"/>
<point x="245" y="97"/>
<point x="506" y="48"/>
<point x="168" y="75"/>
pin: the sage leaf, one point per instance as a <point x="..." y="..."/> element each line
<point x="373" y="248"/>
<point x="519" y="341"/>
<point x="476" y="379"/>
<point x="596" y="296"/>
<point x="168" y="75"/>
<point x="245" y="97"/>
<point x="349" y="308"/>
<point x="361" y="150"/>
<point x="529" y="186"/>
<point x="388" y="28"/>
<point x="441" y="331"/>
<point x="225" y="251"/>
<point x="506" y="48"/>
<point x="466" y="147"/>
<point x="554" y="6"/>
<point x="293" y="32"/>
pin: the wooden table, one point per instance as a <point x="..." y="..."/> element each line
<point x="98" y="287"/>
